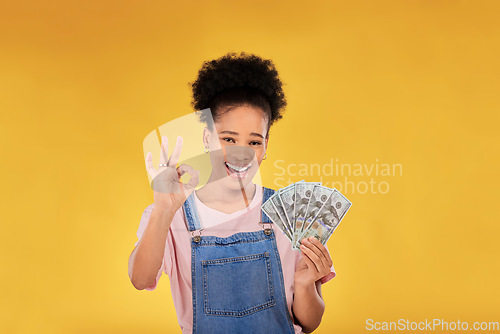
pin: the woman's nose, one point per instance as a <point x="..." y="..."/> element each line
<point x="240" y="153"/>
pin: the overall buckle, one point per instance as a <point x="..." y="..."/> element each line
<point x="267" y="230"/>
<point x="196" y="238"/>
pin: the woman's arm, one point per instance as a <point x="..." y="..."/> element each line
<point x="308" y="305"/>
<point x="169" y="193"/>
<point x="146" y="259"/>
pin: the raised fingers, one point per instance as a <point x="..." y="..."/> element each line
<point x="149" y="164"/>
<point x="164" y="150"/>
<point x="174" y="158"/>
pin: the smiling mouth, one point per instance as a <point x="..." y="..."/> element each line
<point x="236" y="171"/>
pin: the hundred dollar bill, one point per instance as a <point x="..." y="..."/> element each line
<point x="278" y="205"/>
<point x="287" y="198"/>
<point x="328" y="217"/>
<point x="303" y="192"/>
<point x="270" y="210"/>
<point x="319" y="196"/>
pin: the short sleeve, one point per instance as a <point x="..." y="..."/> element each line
<point x="166" y="259"/>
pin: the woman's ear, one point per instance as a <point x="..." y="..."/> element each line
<point x="206" y="137"/>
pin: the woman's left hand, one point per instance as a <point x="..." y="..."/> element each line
<point x="314" y="264"/>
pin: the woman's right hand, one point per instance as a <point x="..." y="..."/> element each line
<point x="169" y="192"/>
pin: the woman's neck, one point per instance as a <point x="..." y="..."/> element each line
<point x="217" y="196"/>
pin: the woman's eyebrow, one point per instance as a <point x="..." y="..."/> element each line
<point x="257" y="134"/>
<point x="229" y="132"/>
<point x="236" y="133"/>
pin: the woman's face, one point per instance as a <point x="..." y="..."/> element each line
<point x="237" y="145"/>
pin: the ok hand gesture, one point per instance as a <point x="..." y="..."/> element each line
<point x="169" y="192"/>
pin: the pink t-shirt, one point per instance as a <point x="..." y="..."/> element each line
<point x="177" y="257"/>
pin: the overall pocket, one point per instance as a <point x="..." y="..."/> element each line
<point x="237" y="286"/>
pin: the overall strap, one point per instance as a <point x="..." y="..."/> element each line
<point x="267" y="192"/>
<point x="191" y="214"/>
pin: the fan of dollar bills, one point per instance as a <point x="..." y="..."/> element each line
<point x="305" y="209"/>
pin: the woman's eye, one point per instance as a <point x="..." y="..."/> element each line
<point x="229" y="140"/>
<point x="255" y="143"/>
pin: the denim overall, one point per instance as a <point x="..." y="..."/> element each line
<point x="237" y="281"/>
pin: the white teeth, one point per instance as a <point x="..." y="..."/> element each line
<point x="237" y="168"/>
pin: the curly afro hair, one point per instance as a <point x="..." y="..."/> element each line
<point x="238" y="79"/>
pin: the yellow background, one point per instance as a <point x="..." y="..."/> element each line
<point x="408" y="82"/>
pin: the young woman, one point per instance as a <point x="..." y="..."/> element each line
<point x="230" y="269"/>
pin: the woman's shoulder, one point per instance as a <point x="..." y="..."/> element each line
<point x="149" y="208"/>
